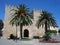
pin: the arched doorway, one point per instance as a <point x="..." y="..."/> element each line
<point x="26" y="33"/>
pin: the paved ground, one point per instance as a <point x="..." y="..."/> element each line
<point x="32" y="42"/>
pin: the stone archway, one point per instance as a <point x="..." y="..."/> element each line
<point x="26" y="33"/>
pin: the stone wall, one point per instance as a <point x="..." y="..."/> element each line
<point x="9" y="29"/>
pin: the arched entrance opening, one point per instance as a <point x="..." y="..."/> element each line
<point x="26" y="33"/>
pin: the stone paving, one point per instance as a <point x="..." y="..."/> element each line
<point x="31" y="42"/>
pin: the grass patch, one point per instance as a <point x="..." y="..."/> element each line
<point x="52" y="31"/>
<point x="25" y="39"/>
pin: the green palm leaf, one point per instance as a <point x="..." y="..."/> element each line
<point x="46" y="19"/>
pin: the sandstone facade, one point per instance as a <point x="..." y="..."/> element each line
<point x="31" y="30"/>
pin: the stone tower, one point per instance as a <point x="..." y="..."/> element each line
<point x="31" y="30"/>
<point x="8" y="29"/>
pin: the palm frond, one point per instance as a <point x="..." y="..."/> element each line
<point x="46" y="16"/>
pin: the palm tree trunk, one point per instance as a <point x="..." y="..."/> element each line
<point x="21" y="31"/>
<point x="16" y="32"/>
<point x="45" y="26"/>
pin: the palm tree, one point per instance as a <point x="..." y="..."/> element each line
<point x="23" y="16"/>
<point x="46" y="19"/>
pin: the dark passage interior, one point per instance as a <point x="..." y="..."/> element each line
<point x="26" y="33"/>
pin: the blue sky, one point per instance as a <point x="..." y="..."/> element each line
<point x="52" y="6"/>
